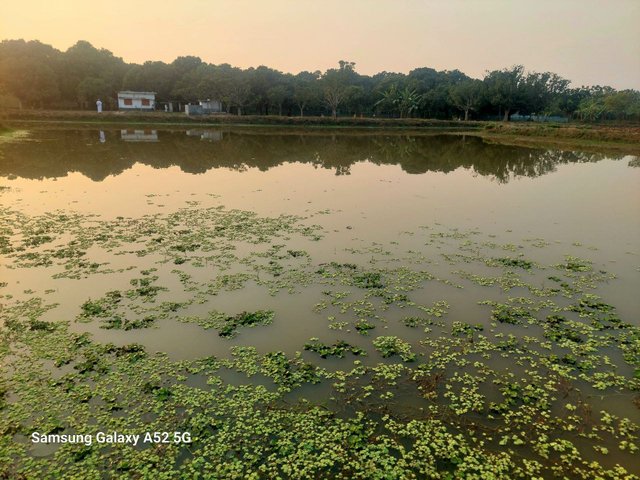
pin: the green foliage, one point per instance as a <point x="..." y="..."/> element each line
<point x="337" y="349"/>
<point x="368" y="280"/>
<point x="230" y="324"/>
<point x="515" y="262"/>
<point x="363" y="326"/>
<point x="506" y="88"/>
<point x="528" y="396"/>
<point x="36" y="75"/>
<point x="389" y="346"/>
<point x="510" y="314"/>
<point x="467" y="96"/>
<point x="603" y="104"/>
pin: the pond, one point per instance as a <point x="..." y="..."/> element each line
<point x="318" y="303"/>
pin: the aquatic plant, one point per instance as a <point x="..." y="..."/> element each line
<point x="337" y="349"/>
<point x="520" y="389"/>
<point x="389" y="346"/>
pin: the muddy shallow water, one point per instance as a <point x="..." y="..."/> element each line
<point x="394" y="245"/>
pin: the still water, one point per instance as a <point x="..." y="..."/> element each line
<point x="375" y="187"/>
<point x="425" y="217"/>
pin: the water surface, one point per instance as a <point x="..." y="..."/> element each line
<point x="345" y="230"/>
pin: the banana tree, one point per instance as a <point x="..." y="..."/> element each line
<point x="408" y="101"/>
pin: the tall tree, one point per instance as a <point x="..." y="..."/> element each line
<point x="261" y="80"/>
<point x="156" y="77"/>
<point x="541" y="90"/>
<point x="305" y="90"/>
<point x="29" y="72"/>
<point x="466" y="96"/>
<point x="506" y="89"/>
<point x="83" y="60"/>
<point x="92" y="89"/>
<point x="277" y="95"/>
<point x="336" y="85"/>
<point x="32" y="82"/>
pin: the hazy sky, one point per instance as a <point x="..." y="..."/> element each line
<point x="588" y="41"/>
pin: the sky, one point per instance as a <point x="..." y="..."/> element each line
<point x="591" y="42"/>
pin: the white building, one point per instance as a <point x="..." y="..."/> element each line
<point x="204" y="107"/>
<point x="211" y="106"/>
<point x="136" y="100"/>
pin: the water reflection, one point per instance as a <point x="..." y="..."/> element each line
<point x="211" y="135"/>
<point x="139" y="135"/>
<point x="55" y="153"/>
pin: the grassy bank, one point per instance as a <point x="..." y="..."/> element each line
<point x="616" y="138"/>
<point x="182" y="119"/>
<point x="621" y="139"/>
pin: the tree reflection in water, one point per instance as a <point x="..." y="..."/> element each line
<point x="55" y="153"/>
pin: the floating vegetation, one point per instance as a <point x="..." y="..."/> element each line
<point x="575" y="264"/>
<point x="514" y="262"/>
<point x="518" y="382"/>
<point x="337" y="349"/>
<point x="511" y="314"/>
<point x="363" y="327"/>
<point x="227" y="325"/>
<point x="131" y="309"/>
<point x="245" y="319"/>
<point x="389" y="346"/>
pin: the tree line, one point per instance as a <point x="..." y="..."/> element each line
<point x="36" y="75"/>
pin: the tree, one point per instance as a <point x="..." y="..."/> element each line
<point x="389" y="101"/>
<point x="189" y="86"/>
<point x="436" y="102"/>
<point x="541" y="90"/>
<point x="506" y="89"/>
<point x="28" y="72"/>
<point x="32" y="82"/>
<point x="183" y="65"/>
<point x="277" y="96"/>
<point x="156" y="77"/>
<point x="404" y="101"/>
<point x="234" y="87"/>
<point x="38" y="75"/>
<point x="83" y="60"/>
<point x="623" y="105"/>
<point x="261" y="80"/>
<point x="8" y="100"/>
<point x="92" y="89"/>
<point x="408" y="102"/>
<point x="466" y="96"/>
<point x="305" y="90"/>
<point x="568" y="103"/>
<point x="336" y="85"/>
<point x="384" y="89"/>
<point x="592" y="108"/>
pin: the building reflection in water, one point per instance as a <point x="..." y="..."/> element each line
<point x="139" y="135"/>
<point x="211" y="135"/>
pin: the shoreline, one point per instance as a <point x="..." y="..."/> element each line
<point x="598" y="137"/>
